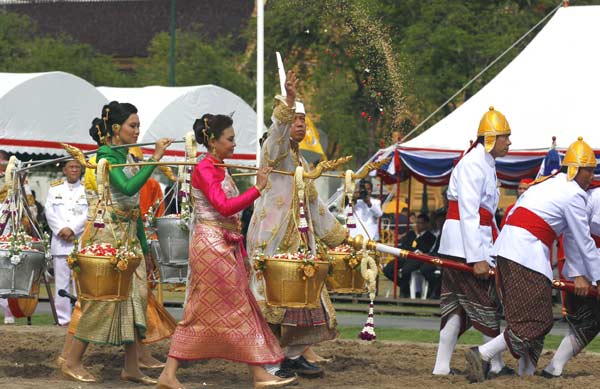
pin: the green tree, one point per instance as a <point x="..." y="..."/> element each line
<point x="197" y="62"/>
<point x="23" y="50"/>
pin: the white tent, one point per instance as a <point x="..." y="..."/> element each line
<point x="550" y="89"/>
<point x="39" y="110"/>
<point x="171" y="111"/>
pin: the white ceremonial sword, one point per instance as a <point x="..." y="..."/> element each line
<point x="281" y="71"/>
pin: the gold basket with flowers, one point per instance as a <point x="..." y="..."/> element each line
<point x="104" y="272"/>
<point x="345" y="277"/>
<point x="292" y="280"/>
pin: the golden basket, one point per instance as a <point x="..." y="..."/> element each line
<point x="344" y="278"/>
<point x="285" y="286"/>
<point x="98" y="280"/>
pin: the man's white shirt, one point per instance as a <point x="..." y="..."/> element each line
<point x="66" y="206"/>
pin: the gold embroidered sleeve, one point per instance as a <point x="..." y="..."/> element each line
<point x="335" y="236"/>
<point x="283" y="113"/>
<point x="276" y="161"/>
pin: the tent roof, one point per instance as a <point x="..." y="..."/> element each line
<point x="171" y="112"/>
<point x="550" y="89"/>
<point x="38" y="110"/>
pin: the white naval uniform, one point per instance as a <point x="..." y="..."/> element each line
<point x="574" y="265"/>
<point x="473" y="184"/>
<point x="369" y="216"/>
<point x="66" y="206"/>
<point x="563" y="205"/>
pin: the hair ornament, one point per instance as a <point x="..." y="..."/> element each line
<point x="105" y="119"/>
<point x="100" y="136"/>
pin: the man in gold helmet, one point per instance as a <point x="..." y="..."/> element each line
<point x="582" y="314"/>
<point x="554" y="206"/>
<point x="467" y="236"/>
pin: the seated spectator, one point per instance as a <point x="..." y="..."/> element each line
<point x="421" y="240"/>
<point x="433" y="273"/>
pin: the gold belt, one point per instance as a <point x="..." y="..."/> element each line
<point x="130" y="215"/>
<point x="234" y="227"/>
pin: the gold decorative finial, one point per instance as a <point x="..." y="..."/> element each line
<point x="78" y="155"/>
<point x="324" y="166"/>
<point x="369" y="167"/>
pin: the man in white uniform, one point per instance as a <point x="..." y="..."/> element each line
<point x="66" y="212"/>
<point x="467" y="236"/>
<point x="583" y="313"/>
<point x="548" y="209"/>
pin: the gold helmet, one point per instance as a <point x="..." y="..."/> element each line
<point x="579" y="154"/>
<point x="492" y="124"/>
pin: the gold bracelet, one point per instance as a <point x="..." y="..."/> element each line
<point x="258" y="189"/>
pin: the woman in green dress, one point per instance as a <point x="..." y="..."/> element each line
<point x="117" y="322"/>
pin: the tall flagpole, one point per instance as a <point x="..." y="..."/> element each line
<point x="260" y="74"/>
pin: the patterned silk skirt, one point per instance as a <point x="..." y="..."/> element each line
<point x="583" y="317"/>
<point x="221" y="318"/>
<point x="527" y="299"/>
<point x="113" y="322"/>
<point x="474" y="300"/>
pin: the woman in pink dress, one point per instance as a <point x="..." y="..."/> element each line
<point x="221" y="318"/>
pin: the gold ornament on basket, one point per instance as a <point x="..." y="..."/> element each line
<point x="345" y="275"/>
<point x="292" y="280"/>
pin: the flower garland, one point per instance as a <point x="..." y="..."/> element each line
<point x="307" y="262"/>
<point x="72" y="257"/>
<point x="299" y="181"/>
<point x="118" y="256"/>
<point x="15" y="244"/>
<point x="184" y="192"/>
<point x="351" y="254"/>
<point x="349" y="189"/>
<point x="368" y="269"/>
<point x="102" y="182"/>
<point x="9" y="208"/>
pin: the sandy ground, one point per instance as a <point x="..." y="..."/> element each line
<point x="28" y="353"/>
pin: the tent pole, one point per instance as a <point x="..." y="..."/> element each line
<point x="260" y="70"/>
<point x="408" y="202"/>
<point x="379" y="228"/>
<point x="396" y="233"/>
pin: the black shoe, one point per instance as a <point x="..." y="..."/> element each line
<point x="302" y="367"/>
<point x="284" y="373"/>
<point x="505" y="371"/>
<point x="477" y="369"/>
<point x="547" y="375"/>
